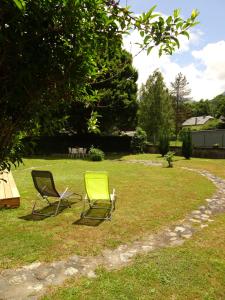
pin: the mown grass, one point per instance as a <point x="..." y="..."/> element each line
<point x="195" y="270"/>
<point x="215" y="166"/>
<point x="149" y="198"/>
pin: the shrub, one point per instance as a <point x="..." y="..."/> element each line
<point x="169" y="158"/>
<point x="96" y="154"/>
<point x="139" y="140"/>
<point x="163" y="144"/>
<point x="187" y="144"/>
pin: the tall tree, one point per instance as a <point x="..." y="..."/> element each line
<point x="49" y="50"/>
<point x="116" y="97"/>
<point x="155" y="110"/>
<point x="180" y="92"/>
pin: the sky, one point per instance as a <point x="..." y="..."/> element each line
<point x="201" y="58"/>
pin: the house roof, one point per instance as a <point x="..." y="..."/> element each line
<point x="197" y="120"/>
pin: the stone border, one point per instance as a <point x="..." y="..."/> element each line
<point x="31" y="281"/>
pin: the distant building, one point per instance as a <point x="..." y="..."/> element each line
<point x="195" y="121"/>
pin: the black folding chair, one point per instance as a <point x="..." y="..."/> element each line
<point x="44" y="183"/>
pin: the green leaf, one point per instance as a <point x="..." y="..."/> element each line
<point x="149" y="49"/>
<point x="185" y="33"/>
<point x="154" y="16"/>
<point x="148" y="14"/>
<point x="176" y="41"/>
<point x="194" y="13"/>
<point x="179" y="25"/>
<point x="20" y="4"/>
<point x="142" y="33"/>
<point x="169" y="20"/>
<point x="146" y="39"/>
<point x="176" y="13"/>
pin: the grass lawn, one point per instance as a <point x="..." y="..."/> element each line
<point x="149" y="198"/>
<point x="215" y="166"/>
<point x="194" y="271"/>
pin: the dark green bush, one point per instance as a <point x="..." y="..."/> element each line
<point x="187" y="144"/>
<point x="163" y="144"/>
<point x="96" y="154"/>
<point x="139" y="141"/>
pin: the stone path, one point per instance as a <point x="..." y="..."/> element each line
<point x="31" y="281"/>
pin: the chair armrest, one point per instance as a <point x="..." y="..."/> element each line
<point x="113" y="195"/>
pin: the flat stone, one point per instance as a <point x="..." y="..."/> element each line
<point x="147" y="248"/>
<point x="204" y="216"/>
<point x="42" y="274"/>
<point x="195" y="221"/>
<point x="204" y="225"/>
<point x="32" y="266"/>
<point x="18" y="279"/>
<point x="180" y="229"/>
<point x="35" y="287"/>
<point x="70" y="271"/>
<point x="171" y="234"/>
<point x="91" y="274"/>
<point x="187" y="236"/>
<point x="50" y="278"/>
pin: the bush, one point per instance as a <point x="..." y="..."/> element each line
<point x="187" y="144"/>
<point x="169" y="158"/>
<point x="163" y="144"/>
<point x="139" y="141"/>
<point x="96" y="154"/>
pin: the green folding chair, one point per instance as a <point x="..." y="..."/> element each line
<point x="98" y="196"/>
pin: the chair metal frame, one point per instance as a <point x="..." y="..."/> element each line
<point x="111" y="198"/>
<point x="44" y="194"/>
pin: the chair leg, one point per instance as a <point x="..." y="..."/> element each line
<point x="57" y="208"/>
<point x="37" y="213"/>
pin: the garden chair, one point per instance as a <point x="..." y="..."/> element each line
<point x="74" y="152"/>
<point x="44" y="183"/>
<point x="98" y="195"/>
<point x="70" y="152"/>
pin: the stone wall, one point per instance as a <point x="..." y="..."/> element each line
<point x="197" y="151"/>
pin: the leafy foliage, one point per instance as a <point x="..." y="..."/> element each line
<point x="155" y="109"/>
<point x="139" y="140"/>
<point x="163" y="144"/>
<point x="116" y="97"/>
<point x="169" y="158"/>
<point x="180" y="93"/>
<point x="96" y="154"/>
<point x="49" y="54"/>
<point x="187" y="144"/>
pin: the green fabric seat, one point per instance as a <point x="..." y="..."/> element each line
<point x="98" y="196"/>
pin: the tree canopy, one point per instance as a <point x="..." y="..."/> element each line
<point x="155" y="109"/>
<point x="49" y="52"/>
<point x="180" y="92"/>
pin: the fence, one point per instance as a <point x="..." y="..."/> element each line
<point x="208" y="138"/>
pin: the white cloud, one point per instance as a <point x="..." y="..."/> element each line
<point x="206" y="80"/>
<point x="212" y="56"/>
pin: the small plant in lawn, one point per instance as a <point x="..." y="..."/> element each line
<point x="96" y="154"/>
<point x="169" y="158"/>
<point x="163" y="144"/>
<point x="139" y="140"/>
<point x="187" y="144"/>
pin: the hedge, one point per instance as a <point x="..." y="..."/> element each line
<point x="47" y="145"/>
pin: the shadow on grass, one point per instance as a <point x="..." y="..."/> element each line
<point x="46" y="212"/>
<point x="92" y="213"/>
